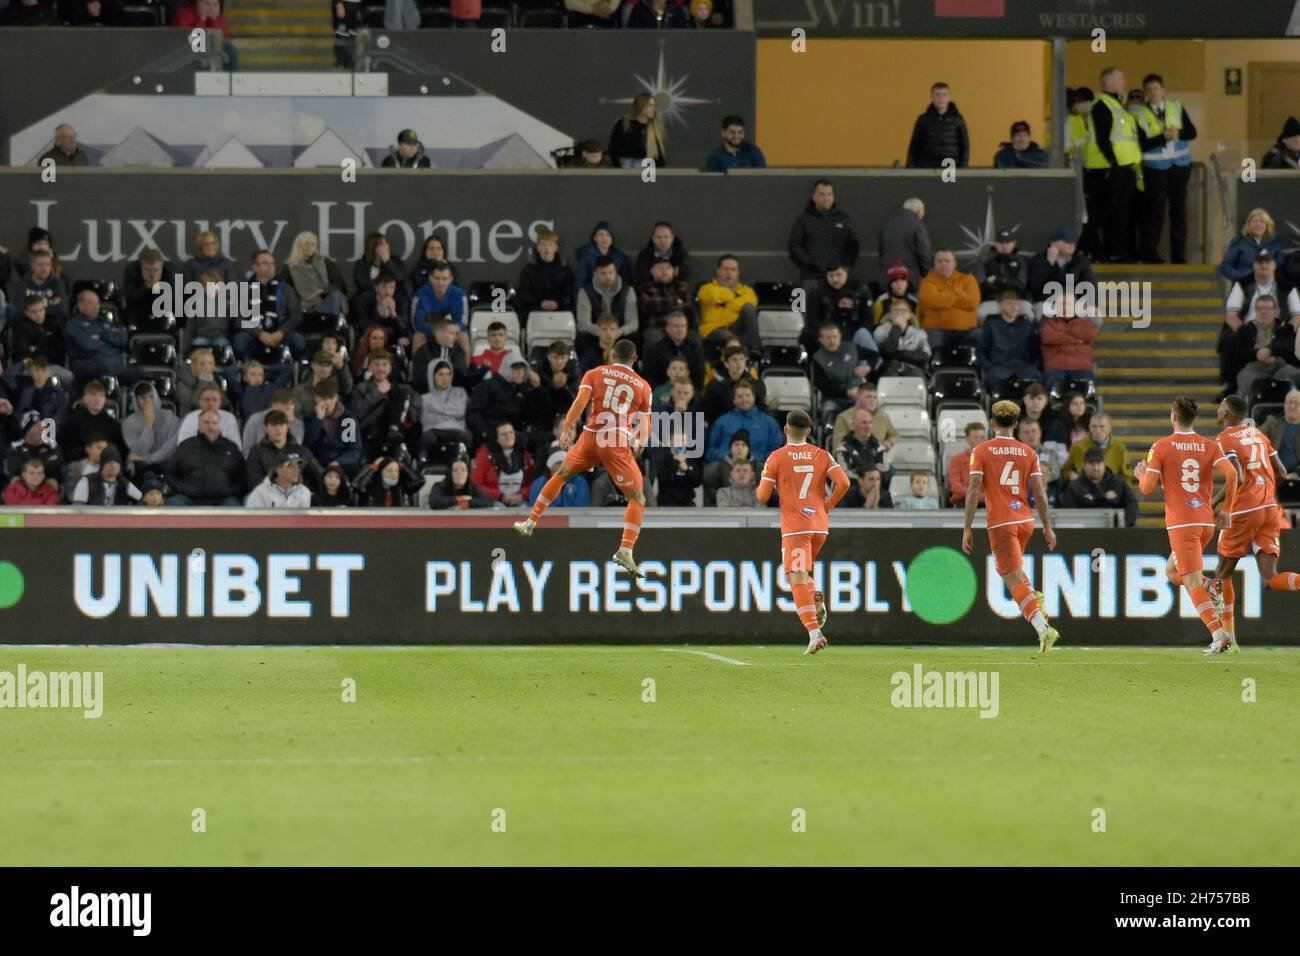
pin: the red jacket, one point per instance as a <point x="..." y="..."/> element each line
<point x="1067" y="344"/>
<point x="488" y="479"/>
<point x="187" y="18"/>
<point x="467" y="9"/>
<point x="18" y="494"/>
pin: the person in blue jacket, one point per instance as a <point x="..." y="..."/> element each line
<point x="764" y="434"/>
<point x="1258" y="233"/>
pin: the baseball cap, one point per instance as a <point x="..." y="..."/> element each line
<point x="408" y="137"/>
<point x="1005" y="235"/>
<point x="898" y="271"/>
<point x="1094" y="454"/>
<point x="1019" y="126"/>
<point x="30" y="417"/>
<point x="110" y="453"/>
<point x="1264" y="256"/>
<point x="1064" y="234"/>
<point x="287" y="457"/>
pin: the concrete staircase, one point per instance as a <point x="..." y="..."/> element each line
<point x="1141" y="370"/>
<point x="282" y="35"/>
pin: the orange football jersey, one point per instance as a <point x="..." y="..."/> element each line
<point x="1186" y="462"/>
<point x="1006" y="466"/>
<point x="1253" y="452"/>
<point x="618" y="396"/>
<point x="800" y="471"/>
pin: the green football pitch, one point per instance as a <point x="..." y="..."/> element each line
<point x="557" y="755"/>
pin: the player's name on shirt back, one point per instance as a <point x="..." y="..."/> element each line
<point x="1004" y="449"/>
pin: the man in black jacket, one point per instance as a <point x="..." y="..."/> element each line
<point x="262" y="456"/>
<point x="663" y="244"/>
<point x="1002" y="267"/>
<point x="138" y="281"/>
<point x="939" y="134"/>
<point x="408" y="153"/>
<point x="822" y="235"/>
<point x="904" y="239"/>
<point x="91" y="419"/>
<point x="676" y="343"/>
<point x="497" y="399"/>
<point x="207" y="470"/>
<point x="1060" y="259"/>
<point x="1099" y="487"/>
<point x="1261" y="349"/>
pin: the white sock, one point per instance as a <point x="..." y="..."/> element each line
<point x="1217" y="636"/>
<point x="814" y="635"/>
<point x="1039" y="622"/>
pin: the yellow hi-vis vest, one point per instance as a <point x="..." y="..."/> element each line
<point x="1177" y="152"/>
<point x="1150" y="125"/>
<point x="1123" y="138"/>
<point x="1078" y="133"/>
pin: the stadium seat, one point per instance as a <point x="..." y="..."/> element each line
<point x="480" y="320"/>
<point x="270" y="354"/>
<point x="950" y="450"/>
<point x="482" y="296"/>
<point x="774" y="295"/>
<point x="953" y="387"/>
<point x="1288" y="492"/>
<point x="953" y="419"/>
<point x="787" y="389"/>
<point x="140" y="15"/>
<point x="547" y="327"/>
<point x="542" y="19"/>
<point x="911" y="454"/>
<point x="435" y="18"/>
<point x="154" y="350"/>
<point x="1011" y="390"/>
<point x="911" y="421"/>
<point x="898" y="390"/>
<point x="154" y="325"/>
<point x="779" y="326"/>
<point x="777" y="356"/>
<point x="1086" y="386"/>
<point x="1269" y="390"/>
<point x="492" y="17"/>
<point x="1260" y="411"/>
<point x="953" y="356"/>
<point x="372" y="15"/>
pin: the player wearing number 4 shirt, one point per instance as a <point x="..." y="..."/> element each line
<point x="1255" y="519"/>
<point x="798" y="472"/>
<point x="614" y="435"/>
<point x="1004" y="470"/>
<point x="1183" y="464"/>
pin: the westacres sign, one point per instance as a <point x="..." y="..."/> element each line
<point x="449" y="584"/>
<point x="1028" y="19"/>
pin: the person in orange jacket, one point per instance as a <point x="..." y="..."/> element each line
<point x="948" y="303"/>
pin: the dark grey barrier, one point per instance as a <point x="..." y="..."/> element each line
<point x="263" y="580"/>
<point x="1023" y="19"/>
<point x="102" y="218"/>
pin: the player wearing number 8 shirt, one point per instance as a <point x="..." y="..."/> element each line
<point x="798" y="472"/>
<point x="1005" y="471"/>
<point x="1183" y="464"/>
<point x="613" y="436"/>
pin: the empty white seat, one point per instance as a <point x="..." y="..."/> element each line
<point x="547" y="327"/>
<point x="779" y="326"/>
<point x="911" y="422"/>
<point x="787" y="389"/>
<point x="951" y="449"/>
<point x="953" y="421"/>
<point x="480" y="320"/>
<point x="912" y="454"/>
<point x="901" y="390"/>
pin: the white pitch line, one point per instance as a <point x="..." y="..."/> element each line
<point x="714" y="657"/>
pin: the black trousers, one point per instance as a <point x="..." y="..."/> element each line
<point x="1164" y="187"/>
<point x="1112" y="192"/>
<point x="1093" y="185"/>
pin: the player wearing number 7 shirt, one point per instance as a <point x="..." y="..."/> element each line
<point x="1012" y="469"/>
<point x="614" y="435"/>
<point x="798" y="472"/>
<point x="1184" y="464"/>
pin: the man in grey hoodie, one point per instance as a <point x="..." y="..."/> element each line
<point x="150" y="430"/>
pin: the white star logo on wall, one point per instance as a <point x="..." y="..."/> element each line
<point x="978" y="239"/>
<point x="669" y="94"/>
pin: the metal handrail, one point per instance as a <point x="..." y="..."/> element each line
<point x="1227" y="213"/>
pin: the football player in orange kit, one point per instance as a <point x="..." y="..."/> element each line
<point x="798" y="472"/>
<point x="1184" y="464"/>
<point x="1255" y="519"/>
<point x="1014" y="471"/>
<point x="617" y="430"/>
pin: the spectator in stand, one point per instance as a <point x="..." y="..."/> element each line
<point x="207" y="15"/>
<point x="659" y="299"/>
<point x="677" y="476"/>
<point x="589" y="154"/>
<point x="663" y="244"/>
<point x="336" y="491"/>
<point x="201" y="370"/>
<point x="208" y="469"/>
<point x="91" y="13"/>
<point x="315" y="277"/>
<point x="1099" y="436"/>
<point x="1166" y="172"/>
<point x="847" y="303"/>
<point x="40" y="279"/>
<point x="346" y="20"/>
<point x="443" y="347"/>
<point x="764" y="434"/>
<point x="500" y="352"/>
<point x="600" y="244"/>
<point x="1099" y="487"/>
<point x="499" y="398"/>
<point x="1002" y="267"/>
<point x="283" y="401"/>
<point x="546" y="283"/>
<point x="1077" y="131"/>
<point x="1285" y="153"/>
<point x="576" y="492"/>
<point x="959" y="466"/>
<point x="407" y="153"/>
<point x="1022" y="152"/>
<point x="558" y="380"/>
<point x="210" y="399"/>
<point x="283" y="486"/>
<point x="741" y="492"/>
<point x="386" y="483"/>
<point x="382" y="407"/>
<point x="1112" y="158"/>
<point x="442" y="410"/>
<point x="949" y="300"/>
<point x="29" y="489"/>
<point x="706" y="15"/>
<point x="1283" y="431"/>
<point x="106" y="486"/>
<point x="277" y="441"/>
<point x="138" y="283"/>
<point x="658" y="15"/>
<point x="869" y="492"/>
<point x="922" y="496"/>
<point x="1264" y="348"/>
<point x="34" y="441"/>
<point x="734" y="152"/>
<point x="439" y="298"/>
<point x="503" y="467"/>
<point x="606" y="294"/>
<point x="859" y="447"/>
<point x="151" y="430"/>
<point x="868" y="397"/>
<point x="32" y="387"/>
<point x="386" y="309"/>
<point x="65" y="151"/>
<point x="939" y="134"/>
<point x="208" y="258"/>
<point x="719" y="396"/>
<point x="717" y="474"/>
<point x="1009" y="344"/>
<point x="35" y="334"/>
<point x="899" y="291"/>
<point x="837" y="370"/>
<point x="728" y="306"/>
<point x="1073" y="419"/>
<point x="1034" y="406"/>
<point x="638" y="135"/>
<point x="376" y="260"/>
<point x="433" y="252"/>
<point x="1061" y="258"/>
<point x="904" y="241"/>
<point x="1240" y="310"/>
<point x="1259" y="234"/>
<point x="1066" y="337"/>
<point x="1050" y="462"/>
<point x="822" y="236"/>
<point x="675" y="343"/>
<point x="677" y="370"/>
<point x="600" y="14"/>
<point x="457" y="490"/>
<point x="904" y="348"/>
<point x="91" y="452"/>
<point x="92" y="419"/>
<point x="607" y="333"/>
<point x="333" y="434"/>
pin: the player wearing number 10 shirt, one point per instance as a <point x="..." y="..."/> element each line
<point x="1005" y="471"/>
<point x="615" y="433"/>
<point x="1183" y="464"/>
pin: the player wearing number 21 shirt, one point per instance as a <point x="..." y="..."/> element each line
<point x="1005" y="471"/>
<point x="614" y="435"/>
<point x="1183" y="464"/>
<point x="798" y="472"/>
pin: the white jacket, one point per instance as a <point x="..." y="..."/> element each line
<point x="270" y="495"/>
